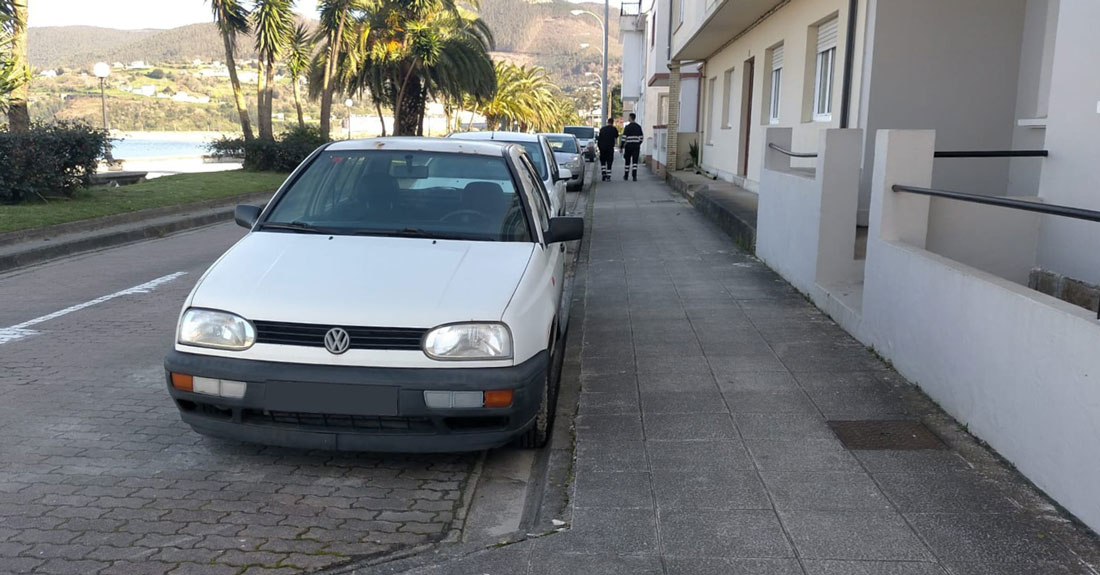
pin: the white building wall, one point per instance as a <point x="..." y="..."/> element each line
<point x="1071" y="175"/>
<point x="793" y="27"/>
<point x="657" y="41"/>
<point x="634" y="64"/>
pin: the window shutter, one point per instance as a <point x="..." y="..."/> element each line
<point x="777" y="57"/>
<point x="826" y="35"/>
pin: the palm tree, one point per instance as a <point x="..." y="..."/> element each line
<point x="14" y="71"/>
<point x="405" y="52"/>
<point x="273" y="23"/>
<point x="299" y="56"/>
<point x="334" y="19"/>
<point x="232" y="19"/>
<point x="525" y="99"/>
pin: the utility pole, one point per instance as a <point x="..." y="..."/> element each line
<point x="605" y="92"/>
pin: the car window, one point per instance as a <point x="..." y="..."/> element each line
<point x="566" y="144"/>
<point x="554" y="171"/>
<point x="399" y="193"/>
<point x="538" y="157"/>
<point x="581" y="132"/>
<point x="542" y="203"/>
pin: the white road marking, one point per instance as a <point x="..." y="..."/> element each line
<point x="20" y="331"/>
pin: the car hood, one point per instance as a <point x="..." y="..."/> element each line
<point x="364" y="280"/>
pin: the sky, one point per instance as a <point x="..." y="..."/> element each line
<point x="134" y="14"/>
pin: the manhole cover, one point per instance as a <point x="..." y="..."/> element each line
<point x="886" y="434"/>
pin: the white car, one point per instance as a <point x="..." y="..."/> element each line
<point x="542" y="156"/>
<point x="567" y="152"/>
<point x="586" y="135"/>
<point x="396" y="294"/>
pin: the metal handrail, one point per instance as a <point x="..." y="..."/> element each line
<point x="994" y="154"/>
<point x="1048" y="209"/>
<point x="793" y="154"/>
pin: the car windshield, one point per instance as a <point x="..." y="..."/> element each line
<point x="567" y="144"/>
<point x="401" y="193"/>
<point x="581" y="132"/>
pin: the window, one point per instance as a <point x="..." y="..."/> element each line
<point x="727" y="117"/>
<point x="775" y="89"/>
<point x="662" y="109"/>
<point x="825" y="68"/>
<point x="541" y="206"/>
<point x="682" y="3"/>
<point x="710" y="110"/>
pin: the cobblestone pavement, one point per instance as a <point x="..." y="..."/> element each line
<point x="98" y="474"/>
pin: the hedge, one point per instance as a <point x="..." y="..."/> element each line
<point x="49" y="160"/>
<point x="280" y="155"/>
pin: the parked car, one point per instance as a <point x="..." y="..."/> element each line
<point x="396" y="294"/>
<point x="586" y="135"/>
<point x="553" y="177"/>
<point x="567" y="152"/>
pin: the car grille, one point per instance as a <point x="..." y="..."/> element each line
<point x="361" y="423"/>
<point x="312" y="335"/>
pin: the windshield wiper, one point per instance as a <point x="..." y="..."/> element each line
<point x="297" y="226"/>
<point x="413" y="233"/>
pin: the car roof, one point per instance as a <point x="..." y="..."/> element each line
<point x="555" y="134"/>
<point x="495" y="135"/>
<point x="415" y="144"/>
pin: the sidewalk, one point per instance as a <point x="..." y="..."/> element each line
<point x="703" y="437"/>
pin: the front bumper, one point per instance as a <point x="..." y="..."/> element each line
<point x="356" y="408"/>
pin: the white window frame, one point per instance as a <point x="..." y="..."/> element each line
<point x="711" y="84"/>
<point x="681" y="20"/>
<point x="776" y="100"/>
<point x="825" y="72"/>
<point x="727" y="102"/>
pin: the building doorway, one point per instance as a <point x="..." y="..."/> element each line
<point x="748" y="73"/>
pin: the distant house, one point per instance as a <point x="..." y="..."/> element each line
<point x="138" y="65"/>
<point x="49" y="74"/>
<point x="196" y="62"/>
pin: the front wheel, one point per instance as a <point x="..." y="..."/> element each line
<point x="538" y="434"/>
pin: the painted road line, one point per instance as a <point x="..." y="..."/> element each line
<point x="20" y="331"/>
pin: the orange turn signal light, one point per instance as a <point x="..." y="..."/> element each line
<point x="498" y="398"/>
<point x="183" y="382"/>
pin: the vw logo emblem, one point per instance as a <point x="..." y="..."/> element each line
<point x="337" y="341"/>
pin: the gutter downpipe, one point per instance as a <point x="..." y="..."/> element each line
<point x="849" y="65"/>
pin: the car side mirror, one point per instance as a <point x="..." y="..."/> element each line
<point x="565" y="229"/>
<point x="246" y="215"/>
<point x="564" y="174"/>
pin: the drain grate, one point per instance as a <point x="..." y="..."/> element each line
<point x="885" y="434"/>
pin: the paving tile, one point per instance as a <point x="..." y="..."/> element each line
<point x="853" y="535"/>
<point x="816" y="567"/>
<point x="723" y="533"/>
<point x="801" y="455"/>
<point x="763" y="381"/>
<point x="671" y="364"/>
<point x="602" y="563"/>
<point x="612" y="489"/>
<point x="609" y="383"/>
<point x="988" y="538"/>
<point x="827" y="356"/>
<point x="901" y="461"/>
<point x="782" y="426"/>
<point x="603" y="403"/>
<point x="753" y="361"/>
<point x="1037" y="568"/>
<point x="628" y="531"/>
<point x="824" y="491"/>
<point x="692" y="426"/>
<point x="947" y="492"/>
<point x="709" y="401"/>
<point x="698" y="456"/>
<point x="771" y="401"/>
<point x="597" y="455"/>
<point x="609" y="427"/>
<point x="726" y="566"/>
<point x="723" y="489"/>
<point x="696" y="379"/>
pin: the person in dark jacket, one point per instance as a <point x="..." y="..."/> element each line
<point x="632" y="147"/>
<point x="606" y="142"/>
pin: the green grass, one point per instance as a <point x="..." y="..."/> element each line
<point x="159" y="192"/>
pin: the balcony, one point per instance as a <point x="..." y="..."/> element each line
<point x="723" y="21"/>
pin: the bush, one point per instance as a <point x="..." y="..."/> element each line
<point x="286" y="152"/>
<point x="49" y="160"/>
<point x="226" y="147"/>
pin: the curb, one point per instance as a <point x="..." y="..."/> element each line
<point x="49" y="243"/>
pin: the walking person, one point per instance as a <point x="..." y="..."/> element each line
<point x="606" y="142"/>
<point x="632" y="147"/>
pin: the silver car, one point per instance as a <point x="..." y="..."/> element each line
<point x="567" y="151"/>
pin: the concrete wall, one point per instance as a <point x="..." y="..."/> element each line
<point x="1033" y="95"/>
<point x="1017" y="367"/>
<point x="634" y="63"/>
<point x="657" y="39"/>
<point x="1000" y="241"/>
<point x="947" y="65"/>
<point x="791" y="26"/>
<point x="689" y="102"/>
<point x="1071" y="174"/>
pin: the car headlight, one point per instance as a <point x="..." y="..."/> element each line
<point x="216" y="329"/>
<point x="469" y="341"/>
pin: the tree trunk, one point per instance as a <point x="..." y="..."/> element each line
<point x="242" y="108"/>
<point x="269" y="97"/>
<point x="331" y="66"/>
<point x="420" y="117"/>
<point x="298" y="103"/>
<point x="19" y="117"/>
<point x="381" y="118"/>
<point x="263" y="115"/>
<point x="408" y="108"/>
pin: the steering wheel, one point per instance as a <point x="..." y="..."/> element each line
<point x="465" y="216"/>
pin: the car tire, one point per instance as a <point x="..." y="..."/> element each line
<point x="536" y="436"/>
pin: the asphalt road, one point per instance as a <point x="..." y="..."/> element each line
<point x="98" y="474"/>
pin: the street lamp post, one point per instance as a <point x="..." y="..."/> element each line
<point x="101" y="71"/>
<point x="349" y="103"/>
<point x="605" y="106"/>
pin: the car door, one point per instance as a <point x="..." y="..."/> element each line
<point x="555" y="186"/>
<point x="548" y="261"/>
